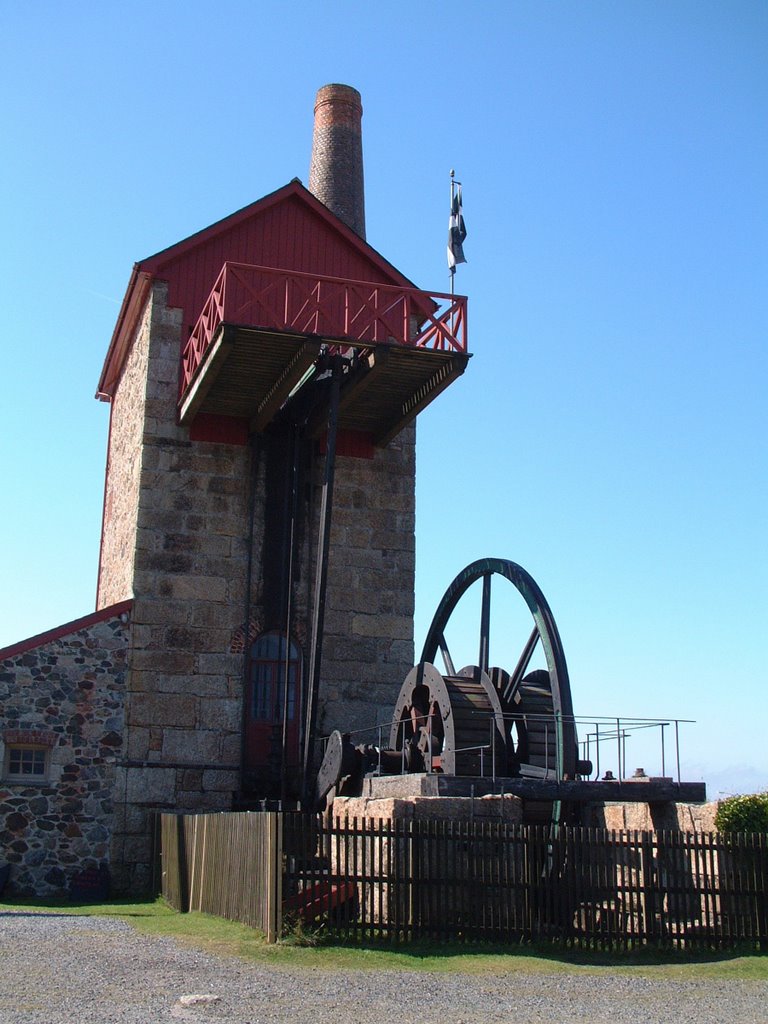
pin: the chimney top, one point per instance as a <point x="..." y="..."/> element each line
<point x="336" y="170"/>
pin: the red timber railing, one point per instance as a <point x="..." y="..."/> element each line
<point x="355" y="311"/>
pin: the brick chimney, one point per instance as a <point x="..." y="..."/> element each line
<point x="336" y="170"/>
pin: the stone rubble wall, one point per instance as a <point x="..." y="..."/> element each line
<point x="66" y="694"/>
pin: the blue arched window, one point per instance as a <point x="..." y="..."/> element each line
<point x="269" y="654"/>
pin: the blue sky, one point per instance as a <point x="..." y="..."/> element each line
<point x="610" y="432"/>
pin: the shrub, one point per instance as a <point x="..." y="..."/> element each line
<point x="743" y="814"/>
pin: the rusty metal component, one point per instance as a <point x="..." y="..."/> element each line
<point x="453" y="724"/>
<point x="341" y="761"/>
<point x="481" y="721"/>
<point x="344" y="766"/>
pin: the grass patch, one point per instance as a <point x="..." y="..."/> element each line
<point x="227" y="938"/>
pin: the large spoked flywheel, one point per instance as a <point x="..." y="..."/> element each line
<point x="536" y="705"/>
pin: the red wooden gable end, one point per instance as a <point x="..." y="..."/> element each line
<point x="288" y="230"/>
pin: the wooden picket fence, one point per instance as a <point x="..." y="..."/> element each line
<point x="225" y="864"/>
<point x="468" y="881"/>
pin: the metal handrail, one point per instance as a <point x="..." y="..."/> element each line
<point x="618" y="730"/>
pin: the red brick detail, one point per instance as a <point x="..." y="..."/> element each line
<point x="208" y="426"/>
<point x="338" y="105"/>
<point x="66" y="630"/>
<point x="238" y="642"/>
<point x="336" y="169"/>
<point x="30" y="737"/>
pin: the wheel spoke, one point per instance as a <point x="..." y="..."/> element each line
<point x="485" y="624"/>
<point x="447" y="660"/>
<point x="522" y="664"/>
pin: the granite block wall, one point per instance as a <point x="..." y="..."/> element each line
<point x="187" y="578"/>
<point x="194" y="506"/>
<point x="368" y="645"/>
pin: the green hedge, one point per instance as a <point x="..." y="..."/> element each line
<point x="743" y="814"/>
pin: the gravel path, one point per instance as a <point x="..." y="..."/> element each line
<point x="55" y="968"/>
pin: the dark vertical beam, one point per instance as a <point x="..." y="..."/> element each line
<point x="253" y="481"/>
<point x="293" y="530"/>
<point x="321" y="571"/>
<point x="485" y="624"/>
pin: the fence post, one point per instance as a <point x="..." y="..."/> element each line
<point x="157" y="868"/>
<point x="648" y="883"/>
<point x="413" y="872"/>
<point x="183" y="867"/>
<point x="273" y="924"/>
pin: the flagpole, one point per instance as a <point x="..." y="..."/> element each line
<point x="452" y="272"/>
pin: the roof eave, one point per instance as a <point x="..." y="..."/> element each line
<point x="133" y="303"/>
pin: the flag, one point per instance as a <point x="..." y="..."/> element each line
<point x="456" y="232"/>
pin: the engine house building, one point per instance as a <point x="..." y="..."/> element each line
<point x="256" y="572"/>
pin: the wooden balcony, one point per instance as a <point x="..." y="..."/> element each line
<point x="262" y="330"/>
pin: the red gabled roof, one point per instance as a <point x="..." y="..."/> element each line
<point x="288" y="229"/>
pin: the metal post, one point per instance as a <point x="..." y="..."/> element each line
<point x="618" y="747"/>
<point x="677" y="748"/>
<point x="597" y="750"/>
<point x="663" y="760"/>
<point x="452" y="272"/>
<point x="623" y="753"/>
<point x="429" y="740"/>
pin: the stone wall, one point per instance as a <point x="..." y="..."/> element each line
<point x="184" y="700"/>
<point x="121" y="491"/>
<point x="368" y="644"/>
<point x="63" y="692"/>
<point x="490" y="809"/>
<point x="194" y="509"/>
<point x="652" y="817"/>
